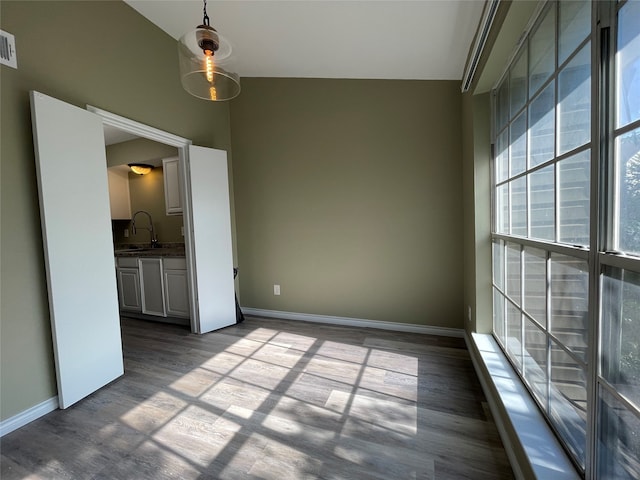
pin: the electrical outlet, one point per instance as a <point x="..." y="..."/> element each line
<point x="126" y="233"/>
<point x="469" y="312"/>
<point x="276" y="289"/>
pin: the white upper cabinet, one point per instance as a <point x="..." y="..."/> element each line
<point x="119" y="197"/>
<point x="172" y="193"/>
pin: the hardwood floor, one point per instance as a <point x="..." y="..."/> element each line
<point x="271" y="399"/>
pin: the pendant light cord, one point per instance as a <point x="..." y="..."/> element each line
<point x="205" y="19"/>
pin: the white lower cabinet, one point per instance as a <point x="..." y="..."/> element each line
<point x="176" y="290"/>
<point x="155" y="286"/>
<point x="151" y="286"/>
<point x="129" y="288"/>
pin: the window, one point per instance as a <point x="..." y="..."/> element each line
<point x="566" y="227"/>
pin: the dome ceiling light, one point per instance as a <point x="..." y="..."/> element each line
<point x="140" y="168"/>
<point x="203" y="55"/>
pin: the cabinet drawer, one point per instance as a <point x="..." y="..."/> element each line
<point x="130" y="262"/>
<point x="174" y="263"/>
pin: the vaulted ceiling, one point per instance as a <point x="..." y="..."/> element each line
<point x="426" y="40"/>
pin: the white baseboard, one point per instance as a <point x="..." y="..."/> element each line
<point x="29" y="415"/>
<point x="356" y="322"/>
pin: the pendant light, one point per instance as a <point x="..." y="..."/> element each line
<point x="204" y="54"/>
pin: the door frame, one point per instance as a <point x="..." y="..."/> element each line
<point x="182" y="145"/>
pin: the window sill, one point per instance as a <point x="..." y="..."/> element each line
<point x="532" y="448"/>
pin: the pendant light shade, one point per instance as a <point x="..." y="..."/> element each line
<point x="204" y="60"/>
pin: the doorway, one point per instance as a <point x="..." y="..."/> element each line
<point x="147" y="228"/>
<point x="207" y="222"/>
<point x="72" y="188"/>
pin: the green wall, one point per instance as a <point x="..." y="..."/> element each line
<point x="469" y="253"/>
<point x="477" y="212"/>
<point x="349" y="196"/>
<point x="147" y="193"/>
<point x="507" y="28"/>
<point x="105" y="55"/>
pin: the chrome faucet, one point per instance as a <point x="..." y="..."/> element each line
<point x="154" y="239"/>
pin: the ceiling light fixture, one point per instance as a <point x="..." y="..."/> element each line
<point x="140" y="168"/>
<point x="203" y="53"/>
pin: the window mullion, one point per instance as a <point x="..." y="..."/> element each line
<point x="522" y="316"/>
<point x="600" y="209"/>
<point x="548" y="328"/>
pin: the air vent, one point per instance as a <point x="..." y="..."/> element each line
<point x="8" y="49"/>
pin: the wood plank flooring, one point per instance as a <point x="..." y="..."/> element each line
<point x="271" y="399"/>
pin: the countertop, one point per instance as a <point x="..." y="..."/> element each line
<point x="162" y="251"/>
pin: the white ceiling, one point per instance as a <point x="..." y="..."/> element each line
<point x="384" y="39"/>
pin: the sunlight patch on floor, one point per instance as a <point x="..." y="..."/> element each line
<point x="262" y="374"/>
<point x="146" y="417"/>
<point x="278" y="355"/>
<point x="196" y="382"/>
<point x="391" y="415"/>
<point x="336" y="350"/>
<point x="164" y="461"/>
<point x="331" y="369"/>
<point x="192" y="434"/>
<point x="392" y="361"/>
<point x="390" y="383"/>
<point x="288" y="339"/>
<point x="223" y="362"/>
<point x="284" y="462"/>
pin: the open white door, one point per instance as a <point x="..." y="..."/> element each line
<point x="211" y="239"/>
<point x="76" y="227"/>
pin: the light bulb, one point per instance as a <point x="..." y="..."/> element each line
<point x="208" y="65"/>
<point x="213" y="94"/>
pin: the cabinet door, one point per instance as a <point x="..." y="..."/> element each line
<point x="176" y="293"/>
<point x="151" y="286"/>
<point x="172" y="197"/>
<point x="119" y="197"/>
<point x="129" y="289"/>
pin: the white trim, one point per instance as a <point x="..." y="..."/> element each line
<point x="497" y="418"/>
<point x="28" y="416"/>
<point x="356" y="322"/>
<point x="138" y="128"/>
<point x="182" y="144"/>
<point x="523" y="38"/>
<point x="490" y="10"/>
<point x="545" y="456"/>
